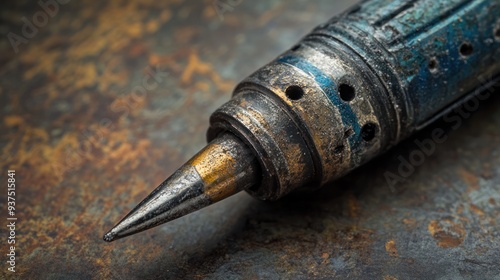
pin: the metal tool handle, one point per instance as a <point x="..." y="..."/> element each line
<point x="429" y="54"/>
<point x="359" y="84"/>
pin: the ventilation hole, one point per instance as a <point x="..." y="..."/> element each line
<point x="497" y="33"/>
<point x="433" y="65"/>
<point x="296" y="47"/>
<point x="466" y="49"/>
<point x="338" y="149"/>
<point x="348" y="133"/>
<point x="294" y="92"/>
<point x="347" y="92"/>
<point x="368" y="131"/>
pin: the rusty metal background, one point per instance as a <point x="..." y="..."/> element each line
<point x="90" y="133"/>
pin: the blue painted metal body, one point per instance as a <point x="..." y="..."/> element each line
<point x="428" y="54"/>
<point x="407" y="62"/>
<point x="432" y="33"/>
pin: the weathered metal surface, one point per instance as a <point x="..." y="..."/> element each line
<point x="87" y="145"/>
<point x="352" y="89"/>
<point x="436" y="50"/>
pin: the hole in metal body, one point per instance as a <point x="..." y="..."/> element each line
<point x="433" y="65"/>
<point x="347" y="92"/>
<point x="368" y="131"/>
<point x="466" y="49"/>
<point x="294" y="92"/>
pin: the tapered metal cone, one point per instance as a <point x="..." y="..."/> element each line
<point x="224" y="167"/>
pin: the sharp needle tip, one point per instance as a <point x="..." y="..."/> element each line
<point x="108" y="237"/>
<point x="190" y="189"/>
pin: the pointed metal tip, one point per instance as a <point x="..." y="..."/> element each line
<point x="221" y="169"/>
<point x="110" y="236"/>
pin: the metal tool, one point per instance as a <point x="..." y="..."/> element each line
<point x="348" y="91"/>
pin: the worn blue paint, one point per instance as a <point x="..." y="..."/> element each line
<point x="417" y="31"/>
<point x="397" y="39"/>
<point x="329" y="87"/>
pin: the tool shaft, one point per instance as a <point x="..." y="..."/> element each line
<point x="351" y="89"/>
<point x="427" y="53"/>
<point x="359" y="84"/>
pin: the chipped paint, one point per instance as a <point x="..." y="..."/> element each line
<point x="64" y="217"/>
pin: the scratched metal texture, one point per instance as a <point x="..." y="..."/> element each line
<point x="417" y="32"/>
<point x="89" y="139"/>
